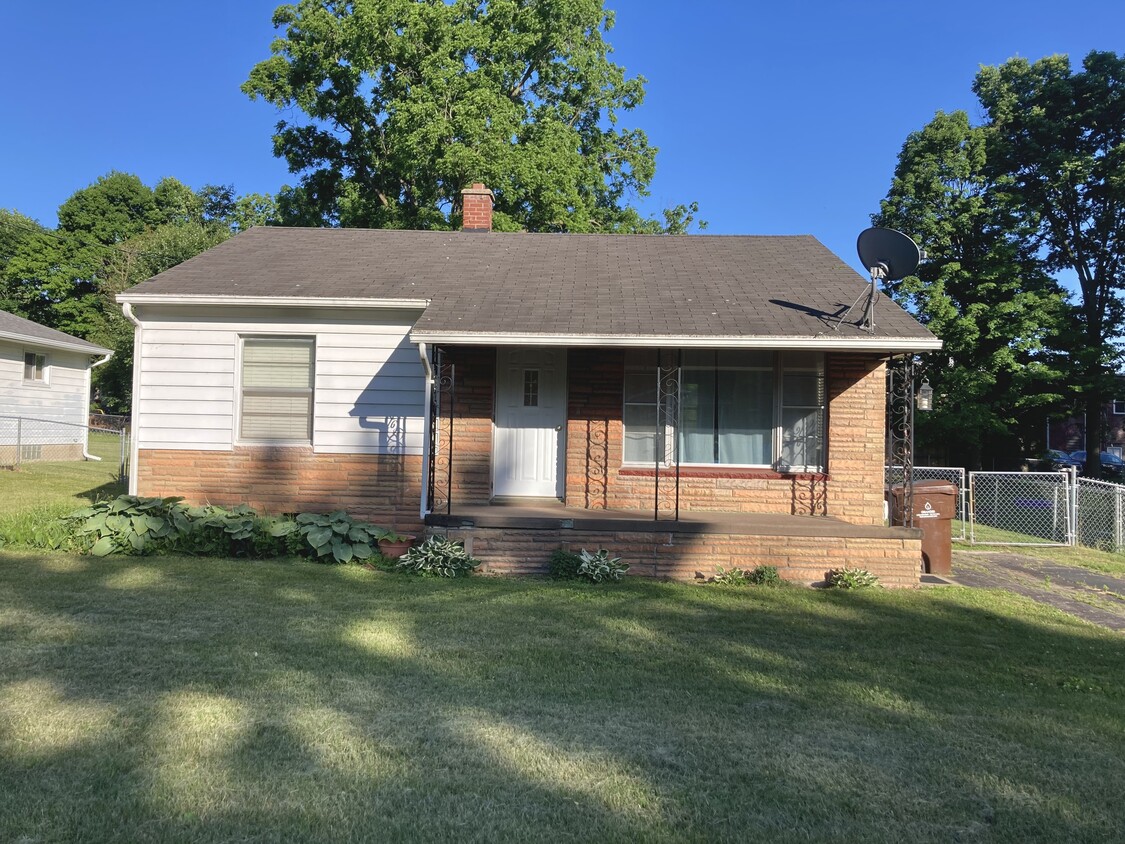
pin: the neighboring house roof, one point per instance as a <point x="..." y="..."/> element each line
<point x="555" y="288"/>
<point x="23" y="330"/>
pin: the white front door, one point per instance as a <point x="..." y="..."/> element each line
<point x="527" y="445"/>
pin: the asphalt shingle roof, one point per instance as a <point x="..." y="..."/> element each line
<point x="554" y="284"/>
<point x="14" y="327"/>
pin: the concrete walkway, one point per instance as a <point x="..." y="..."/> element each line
<point x="1090" y="595"/>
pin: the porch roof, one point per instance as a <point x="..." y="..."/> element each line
<point x="558" y="289"/>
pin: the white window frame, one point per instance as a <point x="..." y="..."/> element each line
<point x="1119" y="407"/>
<point x="44" y="369"/>
<point x="239" y="439"/>
<point x="779" y="366"/>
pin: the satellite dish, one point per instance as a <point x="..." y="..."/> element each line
<point x="887" y="253"/>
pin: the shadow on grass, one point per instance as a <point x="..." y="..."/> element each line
<point x="214" y="700"/>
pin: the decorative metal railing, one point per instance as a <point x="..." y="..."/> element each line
<point x="900" y="426"/>
<point x="666" y="495"/>
<point x="443" y="396"/>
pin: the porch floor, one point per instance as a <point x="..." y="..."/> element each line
<point x="528" y="515"/>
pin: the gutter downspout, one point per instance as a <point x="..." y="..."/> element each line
<point x="89" y="371"/>
<point x="127" y="311"/>
<point x="427" y="365"/>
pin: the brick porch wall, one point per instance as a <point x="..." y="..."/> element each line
<point x="895" y="561"/>
<point x="385" y="489"/>
<point x="852" y="490"/>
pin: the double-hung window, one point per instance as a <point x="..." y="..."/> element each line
<point x="34" y="368"/>
<point x="736" y="408"/>
<point x="277" y="389"/>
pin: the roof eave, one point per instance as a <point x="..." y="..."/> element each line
<point x="821" y="342"/>
<point x="59" y="345"/>
<point x="273" y="301"/>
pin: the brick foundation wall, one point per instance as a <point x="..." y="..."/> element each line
<point x="852" y="490"/>
<point x="680" y="556"/>
<point x="385" y="489"/>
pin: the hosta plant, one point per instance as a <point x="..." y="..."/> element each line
<point x="598" y="566"/>
<point x="130" y="525"/>
<point x="438" y="556"/>
<point x="335" y="537"/>
<point x="852" y="578"/>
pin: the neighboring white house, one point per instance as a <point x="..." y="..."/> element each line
<point x="44" y="391"/>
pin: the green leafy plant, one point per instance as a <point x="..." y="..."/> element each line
<point x="731" y="577"/>
<point x="438" y="556"/>
<point x="130" y="525"/>
<point x="563" y="565"/>
<point x="852" y="578"/>
<point x="599" y="567"/>
<point x="765" y="576"/>
<point x="337" y="536"/>
<point x="760" y="576"/>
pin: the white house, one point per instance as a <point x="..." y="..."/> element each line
<point x="44" y="391"/>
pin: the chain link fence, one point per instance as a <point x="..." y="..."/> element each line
<point x="25" y="440"/>
<point x="1021" y="508"/>
<point x="1100" y="509"/>
<point x="953" y="474"/>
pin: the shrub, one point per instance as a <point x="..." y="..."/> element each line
<point x="438" y="556"/>
<point x="599" y="567"/>
<point x="238" y="532"/>
<point x="563" y="565"/>
<point x="852" y="578"/>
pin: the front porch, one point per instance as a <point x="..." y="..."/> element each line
<point x="519" y="538"/>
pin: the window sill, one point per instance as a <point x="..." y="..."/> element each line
<point x="727" y="472"/>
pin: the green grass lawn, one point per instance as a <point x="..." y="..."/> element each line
<point x="213" y="700"/>
<point x="33" y="494"/>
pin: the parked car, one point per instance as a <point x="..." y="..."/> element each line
<point x="1061" y="460"/>
<point x="1113" y="467"/>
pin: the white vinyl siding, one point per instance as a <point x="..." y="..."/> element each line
<point x="60" y="398"/>
<point x="368" y="392"/>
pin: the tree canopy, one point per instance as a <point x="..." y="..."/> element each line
<point x="1055" y="137"/>
<point x="984" y="291"/>
<point x="113" y="234"/>
<point x="1036" y="188"/>
<point x="406" y="102"/>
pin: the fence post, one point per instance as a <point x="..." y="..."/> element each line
<point x="1117" y="519"/>
<point x="1072" y="485"/>
<point x="19" y="439"/>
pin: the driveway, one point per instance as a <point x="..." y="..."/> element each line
<point x="1090" y="595"/>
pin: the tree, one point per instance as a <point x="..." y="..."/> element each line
<point x="113" y="234"/>
<point x="984" y="291"/>
<point x="409" y="101"/>
<point x="1055" y="137"/>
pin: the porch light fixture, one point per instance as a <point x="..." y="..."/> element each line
<point x="925" y="397"/>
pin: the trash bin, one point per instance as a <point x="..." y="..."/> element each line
<point x="935" y="507"/>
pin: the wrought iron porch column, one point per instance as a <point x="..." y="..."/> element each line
<point x="668" y="386"/>
<point x="442" y="401"/>
<point x="900" y="428"/>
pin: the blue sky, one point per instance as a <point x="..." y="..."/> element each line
<point x="778" y="118"/>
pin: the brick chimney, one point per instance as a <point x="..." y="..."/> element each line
<point x="476" y="208"/>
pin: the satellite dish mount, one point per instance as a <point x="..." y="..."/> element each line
<point x="888" y="255"/>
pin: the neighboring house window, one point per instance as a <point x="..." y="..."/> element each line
<point x="277" y="389"/>
<point x="1119" y="407"/>
<point x="736" y="409"/>
<point x="35" y="368"/>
